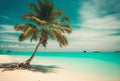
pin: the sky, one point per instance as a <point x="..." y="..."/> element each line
<point x="95" y="24"/>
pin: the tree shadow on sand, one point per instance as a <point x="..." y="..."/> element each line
<point x="34" y="68"/>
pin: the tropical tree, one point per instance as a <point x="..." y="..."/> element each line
<point x="45" y="22"/>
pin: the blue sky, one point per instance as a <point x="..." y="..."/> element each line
<point x="95" y="23"/>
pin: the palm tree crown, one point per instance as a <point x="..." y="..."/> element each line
<point x="50" y="24"/>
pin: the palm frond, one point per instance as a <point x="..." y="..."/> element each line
<point x="20" y="27"/>
<point x="65" y="18"/>
<point x="46" y="11"/>
<point x="34" y="37"/>
<point x="35" y="8"/>
<point x="28" y="14"/>
<point x="57" y="13"/>
<point x="62" y="40"/>
<point x="66" y="27"/>
<point x="27" y="30"/>
<point x="22" y="37"/>
<point x="63" y="28"/>
<point x="51" y="35"/>
<point x="40" y="3"/>
<point x="34" y="19"/>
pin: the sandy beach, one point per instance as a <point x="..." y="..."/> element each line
<point x="60" y="74"/>
<point x="25" y="75"/>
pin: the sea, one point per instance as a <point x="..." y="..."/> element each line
<point x="113" y="57"/>
<point x="102" y="64"/>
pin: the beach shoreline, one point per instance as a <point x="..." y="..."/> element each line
<point x="26" y="75"/>
<point x="59" y="74"/>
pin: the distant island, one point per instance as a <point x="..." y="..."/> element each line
<point x="1" y="50"/>
<point x="84" y="51"/>
<point x="8" y="51"/>
<point x="96" y="51"/>
<point x="117" y="51"/>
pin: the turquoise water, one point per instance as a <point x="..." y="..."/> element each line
<point x="103" y="56"/>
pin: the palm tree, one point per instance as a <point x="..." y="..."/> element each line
<point x="45" y="23"/>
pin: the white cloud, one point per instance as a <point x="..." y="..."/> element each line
<point x="14" y="39"/>
<point x="11" y="46"/>
<point x="7" y="29"/>
<point x="95" y="32"/>
<point x="5" y="17"/>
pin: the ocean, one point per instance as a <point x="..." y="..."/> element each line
<point x="102" y="64"/>
<point x="102" y="56"/>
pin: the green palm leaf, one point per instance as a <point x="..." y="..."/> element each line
<point x="27" y="30"/>
<point x="33" y="18"/>
<point x="34" y="8"/>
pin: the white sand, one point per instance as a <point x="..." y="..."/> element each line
<point x="60" y="75"/>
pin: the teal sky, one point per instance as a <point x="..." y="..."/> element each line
<point x="95" y="23"/>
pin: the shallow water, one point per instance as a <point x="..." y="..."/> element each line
<point x="103" y="64"/>
<point x="103" y="56"/>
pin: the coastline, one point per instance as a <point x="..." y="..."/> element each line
<point x="25" y="75"/>
<point x="60" y="74"/>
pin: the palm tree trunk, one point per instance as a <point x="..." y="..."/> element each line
<point x="26" y="64"/>
<point x="30" y="59"/>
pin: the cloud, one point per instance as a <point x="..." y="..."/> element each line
<point x="7" y="29"/>
<point x="12" y="46"/>
<point x="14" y="39"/>
<point x="5" y="17"/>
<point x="92" y="19"/>
<point x="15" y="46"/>
<point x="96" y="32"/>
